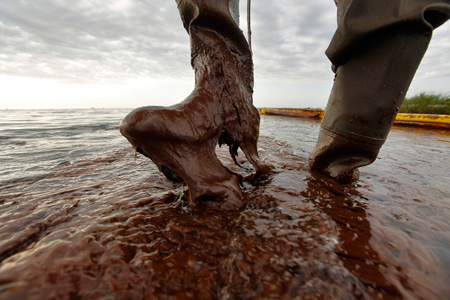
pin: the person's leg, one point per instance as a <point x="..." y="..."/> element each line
<point x="181" y="139"/>
<point x="375" y="52"/>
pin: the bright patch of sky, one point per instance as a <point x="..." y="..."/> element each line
<point x="130" y="53"/>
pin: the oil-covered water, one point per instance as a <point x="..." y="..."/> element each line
<point x="81" y="217"/>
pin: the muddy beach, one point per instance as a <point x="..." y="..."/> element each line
<point x="113" y="227"/>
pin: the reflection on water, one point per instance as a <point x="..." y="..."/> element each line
<point x="32" y="142"/>
<point x="113" y="227"/>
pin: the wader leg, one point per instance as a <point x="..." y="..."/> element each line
<point x="375" y="52"/>
<point x="181" y="139"/>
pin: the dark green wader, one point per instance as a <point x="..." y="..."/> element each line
<point x="375" y="52"/>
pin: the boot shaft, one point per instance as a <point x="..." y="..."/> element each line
<point x="218" y="45"/>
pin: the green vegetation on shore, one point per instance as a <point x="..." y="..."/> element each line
<point x="427" y="103"/>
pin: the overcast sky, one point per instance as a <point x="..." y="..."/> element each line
<point x="130" y="53"/>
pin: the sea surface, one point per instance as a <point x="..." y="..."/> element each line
<point x="83" y="216"/>
<point x="33" y="142"/>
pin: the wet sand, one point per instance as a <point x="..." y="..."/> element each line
<point x="114" y="228"/>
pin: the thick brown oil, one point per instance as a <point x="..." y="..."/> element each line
<point x="114" y="228"/>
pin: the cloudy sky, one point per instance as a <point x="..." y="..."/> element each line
<point x="129" y="53"/>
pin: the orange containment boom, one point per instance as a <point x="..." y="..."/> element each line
<point x="441" y="121"/>
<point x="293" y="112"/>
<point x="429" y="120"/>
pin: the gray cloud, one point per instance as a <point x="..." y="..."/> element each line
<point x="290" y="38"/>
<point x="114" y="40"/>
<point x="92" y="40"/>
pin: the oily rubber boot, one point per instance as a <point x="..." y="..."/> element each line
<point x="375" y="53"/>
<point x="181" y="139"/>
